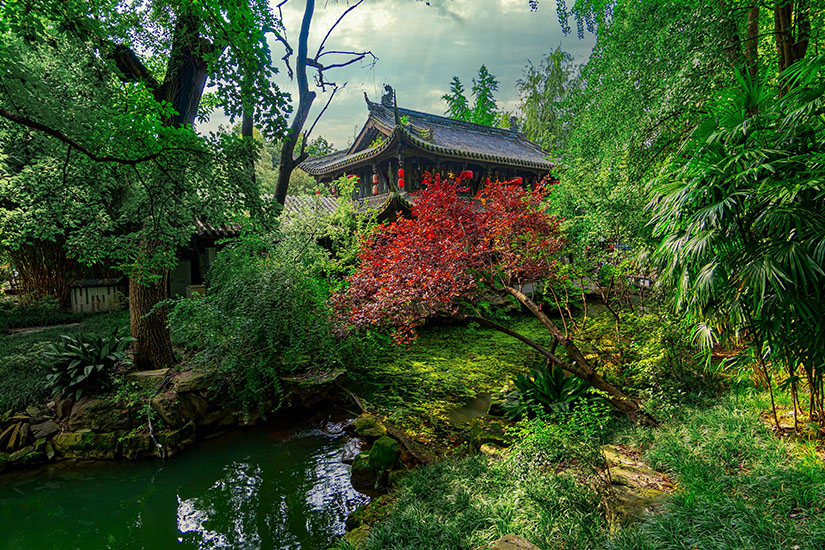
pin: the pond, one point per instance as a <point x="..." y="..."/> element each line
<point x="265" y="488"/>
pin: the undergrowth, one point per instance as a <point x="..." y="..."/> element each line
<point x="21" y="369"/>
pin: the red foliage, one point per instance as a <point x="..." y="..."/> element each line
<point x="415" y="267"/>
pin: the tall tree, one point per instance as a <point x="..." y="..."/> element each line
<point x="542" y="92"/>
<point x="457" y="106"/>
<point x="484" y="104"/>
<point x="117" y="87"/>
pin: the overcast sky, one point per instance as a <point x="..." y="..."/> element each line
<point x="420" y="48"/>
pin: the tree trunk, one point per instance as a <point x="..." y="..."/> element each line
<point x="792" y="28"/>
<point x="305" y="98"/>
<point x="150" y="327"/>
<point x="580" y="366"/>
<point x="752" y="42"/>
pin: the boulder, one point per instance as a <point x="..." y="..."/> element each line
<point x="367" y="425"/>
<point x="44" y="429"/>
<point x="384" y="454"/>
<point x="363" y="475"/>
<point x="147" y="379"/>
<point x="135" y="446"/>
<point x="512" y="542"/>
<point x="63" y="407"/>
<point x="352" y="449"/>
<point x="86" y="445"/>
<point x="15" y="436"/>
<point x="191" y="381"/>
<point x="26" y="455"/>
<point x="176" y="440"/>
<point x="489" y="429"/>
<point x="177" y="409"/>
<point x="104" y="415"/>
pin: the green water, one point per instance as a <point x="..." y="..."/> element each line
<point x="261" y="489"/>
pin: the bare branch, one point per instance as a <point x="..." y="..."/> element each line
<point x="311" y="128"/>
<point x="332" y="28"/>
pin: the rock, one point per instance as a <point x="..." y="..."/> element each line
<point x="491" y="450"/>
<point x="368" y="514"/>
<point x="44" y="429"/>
<point x="488" y="429"/>
<point x="26" y="455"/>
<point x="177" y="409"/>
<point x="15" y="436"/>
<point x="48" y="448"/>
<point x="216" y="420"/>
<point x="103" y="415"/>
<point x="367" y="425"/>
<point x="512" y="542"/>
<point x="191" y="381"/>
<point x="31" y="410"/>
<point x="384" y="454"/>
<point x="363" y="475"/>
<point x="352" y="449"/>
<point x="135" y="446"/>
<point x="63" y="407"/>
<point x="147" y="379"/>
<point x="177" y="440"/>
<point x="358" y="536"/>
<point x="628" y="504"/>
<point x="86" y="445"/>
<point x="5" y="436"/>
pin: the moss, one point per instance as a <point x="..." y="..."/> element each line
<point x="415" y="388"/>
<point x="384" y="454"/>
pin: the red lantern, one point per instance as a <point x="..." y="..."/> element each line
<point x="375" y="189"/>
<point x="375" y="179"/>
<point x="400" y="173"/>
<point x="486" y="181"/>
<point x="401" y="183"/>
<point x="466" y="175"/>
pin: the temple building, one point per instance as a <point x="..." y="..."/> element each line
<point x="397" y="145"/>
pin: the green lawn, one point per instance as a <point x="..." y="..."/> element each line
<point x="22" y="376"/>
<point x="416" y="387"/>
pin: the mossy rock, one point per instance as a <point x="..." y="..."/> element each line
<point x="177" y="440"/>
<point x="135" y="446"/>
<point x="363" y="475"/>
<point x="86" y="445"/>
<point x="384" y="454"/>
<point x="358" y="536"/>
<point x="489" y="430"/>
<point x="368" y="426"/>
<point x="26" y="455"/>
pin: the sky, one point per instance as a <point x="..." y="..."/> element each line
<point x="420" y="47"/>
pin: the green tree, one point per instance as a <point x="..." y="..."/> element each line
<point x="457" y="106"/>
<point x="542" y="92"/>
<point x="110" y="93"/>
<point x="484" y="104"/>
<point x="484" y="110"/>
<point x="741" y="213"/>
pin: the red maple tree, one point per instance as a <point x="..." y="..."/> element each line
<point x="454" y="250"/>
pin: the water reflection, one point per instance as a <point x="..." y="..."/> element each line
<point x="256" y="490"/>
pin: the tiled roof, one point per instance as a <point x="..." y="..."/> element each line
<point x="441" y="135"/>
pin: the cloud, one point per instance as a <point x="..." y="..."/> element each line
<point x="421" y="47"/>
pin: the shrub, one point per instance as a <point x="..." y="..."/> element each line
<point x="264" y="315"/>
<point x="84" y="363"/>
<point x="547" y="390"/>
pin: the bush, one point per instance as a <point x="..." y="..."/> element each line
<point x="84" y="363"/>
<point x="265" y="315"/>
<point x="547" y="390"/>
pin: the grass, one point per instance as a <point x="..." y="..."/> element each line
<point x="36" y="314"/>
<point x="445" y="367"/>
<point x="23" y="377"/>
<point x="738" y="487"/>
